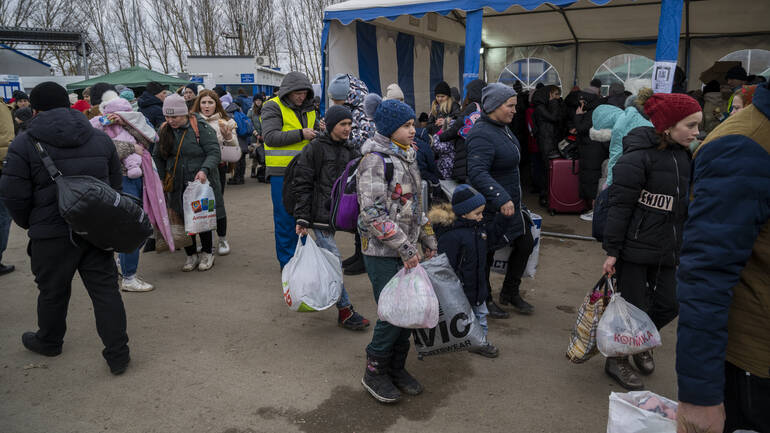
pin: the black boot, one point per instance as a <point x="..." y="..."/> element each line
<point x="376" y="379"/>
<point x="401" y="378"/>
<point x="520" y="305"/>
<point x="495" y="312"/>
<point x="31" y="342"/>
<point x="356" y="268"/>
<point x="356" y="256"/>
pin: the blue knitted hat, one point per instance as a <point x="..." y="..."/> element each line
<point x="388" y="115"/>
<point x="465" y="199"/>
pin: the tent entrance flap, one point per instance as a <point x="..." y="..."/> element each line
<point x="473" y="25"/>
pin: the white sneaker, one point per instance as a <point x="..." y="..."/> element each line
<point x="207" y="261"/>
<point x="588" y="216"/>
<point x="134" y="284"/>
<point x="223" y="248"/>
<point x="190" y="263"/>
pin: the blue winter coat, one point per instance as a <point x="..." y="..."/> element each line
<point x="465" y="244"/>
<point x="722" y="276"/>
<point x="426" y="160"/>
<point x="493" y="169"/>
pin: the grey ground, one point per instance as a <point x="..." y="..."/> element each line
<point x="220" y="352"/>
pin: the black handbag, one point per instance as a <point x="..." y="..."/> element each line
<point x="102" y="216"/>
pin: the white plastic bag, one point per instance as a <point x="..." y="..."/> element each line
<point x="625" y="330"/>
<point x="408" y="300"/>
<point x="641" y="412"/>
<point x="500" y="261"/>
<point x="458" y="328"/>
<point x="200" y="209"/>
<point x="312" y="280"/>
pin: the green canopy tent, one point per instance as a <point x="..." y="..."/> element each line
<point x="132" y="77"/>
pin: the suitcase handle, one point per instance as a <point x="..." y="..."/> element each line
<point x="574" y="172"/>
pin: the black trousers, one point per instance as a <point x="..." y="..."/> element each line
<point x="223" y="177"/>
<point x="207" y="243"/>
<point x="240" y="168"/>
<point x="747" y="401"/>
<point x="54" y="262"/>
<point x="651" y="288"/>
<point x="521" y="248"/>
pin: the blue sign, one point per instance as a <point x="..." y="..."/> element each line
<point x="247" y="78"/>
<point x="196" y="79"/>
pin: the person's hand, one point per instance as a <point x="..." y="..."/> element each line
<point x="309" y="134"/>
<point x="508" y="209"/>
<point x="580" y="110"/>
<point x="301" y="231"/>
<point x="115" y="119"/>
<point x="201" y="176"/>
<point x="440" y="121"/>
<point x="609" y="265"/>
<point x="138" y="149"/>
<point x="322" y="125"/>
<point x="411" y="263"/>
<point x="701" y="419"/>
<point x="573" y="131"/>
<point x="429" y="253"/>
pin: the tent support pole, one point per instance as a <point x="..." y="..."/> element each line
<point x="574" y="37"/>
<point x="687" y="40"/>
<point x="85" y="57"/>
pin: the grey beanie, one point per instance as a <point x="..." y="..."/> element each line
<point x="339" y="87"/>
<point x="495" y="95"/>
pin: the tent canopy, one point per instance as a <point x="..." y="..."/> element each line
<point x="374" y="38"/>
<point x="131" y="77"/>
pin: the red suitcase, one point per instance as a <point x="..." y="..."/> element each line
<point x="564" y="186"/>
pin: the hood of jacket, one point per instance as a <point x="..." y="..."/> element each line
<point x="147" y="99"/>
<point x="325" y="138"/>
<point x="116" y="105"/>
<point x="443" y="219"/>
<point x="473" y="90"/>
<point x="540" y="97"/>
<point x="232" y="108"/>
<point x="294" y="81"/>
<point x="605" y="116"/>
<point x="382" y="144"/>
<point x="643" y="137"/>
<point x="61" y="127"/>
<point x="357" y="93"/>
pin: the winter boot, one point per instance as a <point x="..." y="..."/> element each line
<point x="644" y="362"/>
<point x="32" y="343"/>
<point x="495" y="312"/>
<point x="488" y="350"/>
<point x="349" y="319"/>
<point x="376" y="379"/>
<point x="401" y="378"/>
<point x="520" y="305"/>
<point x="620" y="369"/>
<point x="356" y="268"/>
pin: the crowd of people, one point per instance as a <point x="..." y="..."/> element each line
<point x="682" y="182"/>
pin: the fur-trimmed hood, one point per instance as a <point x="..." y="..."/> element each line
<point x="442" y="215"/>
<point x="601" y="135"/>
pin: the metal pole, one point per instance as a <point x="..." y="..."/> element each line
<point x="687" y="41"/>
<point x="567" y="236"/>
<point x="85" y="57"/>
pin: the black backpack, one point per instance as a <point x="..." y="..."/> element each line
<point x="288" y="197"/>
<point x="102" y="216"/>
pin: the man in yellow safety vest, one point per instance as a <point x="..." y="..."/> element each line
<point x="288" y="124"/>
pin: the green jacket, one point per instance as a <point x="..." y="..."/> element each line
<point x="193" y="157"/>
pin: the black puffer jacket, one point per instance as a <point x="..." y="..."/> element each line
<point x="321" y="162"/>
<point x="75" y="147"/>
<point x="547" y="121"/>
<point x="648" y="200"/>
<point x="592" y="153"/>
<point x="152" y="108"/>
<point x="465" y="244"/>
<point x="460" y="169"/>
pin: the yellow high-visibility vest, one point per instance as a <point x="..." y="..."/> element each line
<point x="281" y="156"/>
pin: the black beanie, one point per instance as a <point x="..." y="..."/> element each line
<point x="336" y="114"/>
<point x="596" y="83"/>
<point x="153" y="88"/>
<point x="442" y="88"/>
<point x="711" y="87"/>
<point x="97" y="90"/>
<point x="193" y="87"/>
<point x="49" y="95"/>
<point x="219" y="90"/>
<point x="19" y="95"/>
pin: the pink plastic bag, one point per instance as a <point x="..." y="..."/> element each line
<point x="408" y="300"/>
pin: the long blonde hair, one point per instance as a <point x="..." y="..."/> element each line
<point x="444" y="108"/>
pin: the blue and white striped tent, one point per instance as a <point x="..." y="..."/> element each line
<point x="419" y="43"/>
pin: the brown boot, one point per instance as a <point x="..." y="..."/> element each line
<point x="644" y="362"/>
<point x="620" y="369"/>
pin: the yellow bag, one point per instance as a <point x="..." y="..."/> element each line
<point x="582" y="343"/>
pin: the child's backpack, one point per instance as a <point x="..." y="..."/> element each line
<point x="344" y="204"/>
<point x="469" y="121"/>
<point x="245" y="126"/>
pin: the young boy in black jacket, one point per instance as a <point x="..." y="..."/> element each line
<point x="462" y="236"/>
<point x="321" y="162"/>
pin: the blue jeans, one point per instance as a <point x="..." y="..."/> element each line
<point x="481" y="313"/>
<point x="285" y="236"/>
<point x="5" y="228"/>
<point x="129" y="262"/>
<point x="326" y="241"/>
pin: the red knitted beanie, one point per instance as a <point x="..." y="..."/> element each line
<point x="667" y="109"/>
